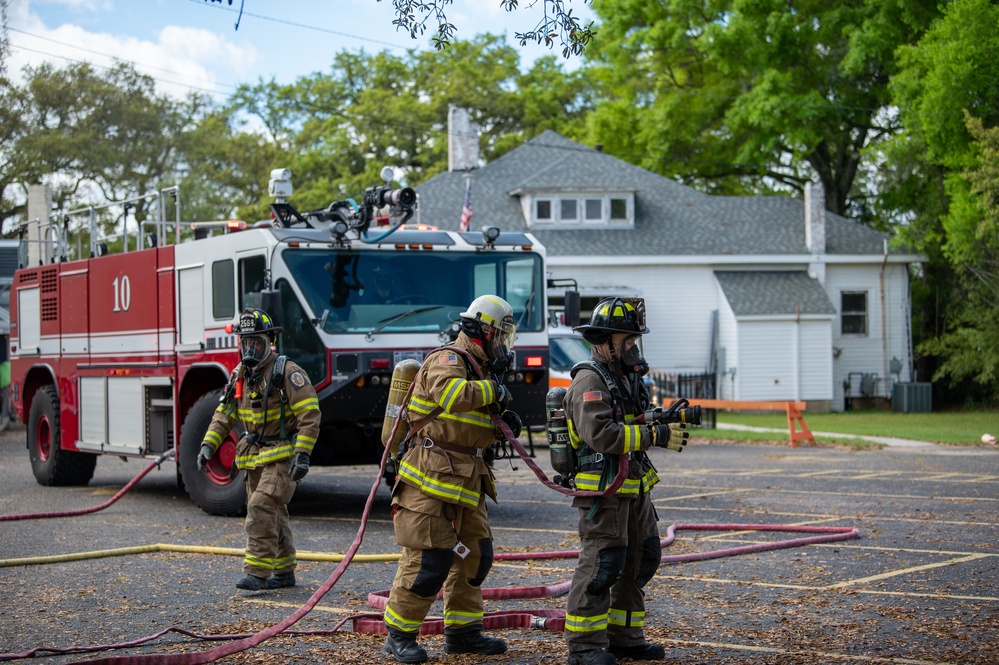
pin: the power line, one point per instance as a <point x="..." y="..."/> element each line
<point x="106" y="68"/>
<point x="113" y="57"/>
<point x="301" y="25"/>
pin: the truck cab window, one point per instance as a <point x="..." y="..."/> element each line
<point x="223" y="290"/>
<point x="252" y="272"/>
<point x="299" y="339"/>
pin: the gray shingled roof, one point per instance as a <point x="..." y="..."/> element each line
<point x="670" y="218"/>
<point x="768" y="293"/>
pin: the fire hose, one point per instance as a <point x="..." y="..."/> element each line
<point x="545" y="619"/>
<point x="86" y="511"/>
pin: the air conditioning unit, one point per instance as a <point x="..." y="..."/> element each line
<point x="912" y="397"/>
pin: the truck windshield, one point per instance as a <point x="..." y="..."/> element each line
<point x="356" y="291"/>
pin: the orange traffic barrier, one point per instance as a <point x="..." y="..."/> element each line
<point x="793" y="410"/>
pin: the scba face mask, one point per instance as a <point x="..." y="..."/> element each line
<point x="254" y="349"/>
<point x="499" y="347"/>
<point x="632" y="357"/>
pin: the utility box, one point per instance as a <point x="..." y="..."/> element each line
<point x="912" y="397"/>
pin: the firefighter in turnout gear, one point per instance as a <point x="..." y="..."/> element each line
<point x="275" y="402"/>
<point x="620" y="550"/>
<point x="439" y="499"/>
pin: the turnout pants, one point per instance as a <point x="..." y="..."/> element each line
<point x="620" y="554"/>
<point x="428" y="530"/>
<point x="269" y="546"/>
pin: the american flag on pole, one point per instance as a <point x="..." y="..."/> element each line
<point x="466" y="212"/>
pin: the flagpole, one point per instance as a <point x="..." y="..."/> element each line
<point x="466" y="210"/>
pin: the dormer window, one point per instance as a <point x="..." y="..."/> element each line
<point x="579" y="210"/>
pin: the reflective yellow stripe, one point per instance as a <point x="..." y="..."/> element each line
<point x="622" y="618"/>
<point x="488" y="393"/>
<point x="632" y="438"/>
<point x="574" y="439"/>
<point x="452" y="390"/>
<point x="453" y="618"/>
<point x="581" y="624"/>
<point x="447" y="491"/>
<point x="590" y="482"/>
<point x="421" y="406"/>
<point x="269" y="564"/>
<point x="304" y="443"/>
<point x="213" y="439"/>
<point x="469" y="418"/>
<point x="251" y="417"/>
<point x="394" y="619"/>
<point x="264" y="456"/>
<point x="308" y="404"/>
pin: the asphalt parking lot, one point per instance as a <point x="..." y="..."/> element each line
<point x="920" y="586"/>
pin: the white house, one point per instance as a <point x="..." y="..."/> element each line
<point x="780" y="298"/>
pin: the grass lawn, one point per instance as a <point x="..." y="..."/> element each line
<point x="953" y="427"/>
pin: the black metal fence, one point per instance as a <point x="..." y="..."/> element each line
<point x="666" y="387"/>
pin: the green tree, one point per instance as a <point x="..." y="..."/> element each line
<point x="735" y="96"/>
<point x="113" y="134"/>
<point x="336" y="129"/>
<point x="939" y="185"/>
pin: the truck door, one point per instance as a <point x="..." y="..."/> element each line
<point x="190" y="307"/>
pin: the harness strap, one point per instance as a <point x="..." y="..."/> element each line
<point x="277" y="380"/>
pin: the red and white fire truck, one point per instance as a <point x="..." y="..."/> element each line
<point x="127" y="354"/>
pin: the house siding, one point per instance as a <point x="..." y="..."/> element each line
<point x="728" y="337"/>
<point x="681" y="244"/>
<point x="679" y="301"/>
<point x="871" y="353"/>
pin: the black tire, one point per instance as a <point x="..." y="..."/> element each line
<point x="49" y="462"/>
<point x="212" y="490"/>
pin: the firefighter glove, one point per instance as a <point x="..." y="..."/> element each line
<point x="203" y="457"/>
<point x="299" y="466"/>
<point x="677" y="431"/>
<point x="664" y="436"/>
<point x="503" y="397"/>
<point x="514" y="422"/>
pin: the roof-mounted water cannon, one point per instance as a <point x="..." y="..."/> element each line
<point x="381" y="196"/>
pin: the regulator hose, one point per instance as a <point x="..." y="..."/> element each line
<point x="622" y="465"/>
<point x="94" y="509"/>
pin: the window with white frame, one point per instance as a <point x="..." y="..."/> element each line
<point x="853" y="313"/>
<point x="590" y="209"/>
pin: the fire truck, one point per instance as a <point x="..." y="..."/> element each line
<point x="127" y="353"/>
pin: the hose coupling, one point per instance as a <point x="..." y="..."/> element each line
<point x="539" y="623"/>
<point x="165" y="456"/>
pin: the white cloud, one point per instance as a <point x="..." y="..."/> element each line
<point x="180" y="59"/>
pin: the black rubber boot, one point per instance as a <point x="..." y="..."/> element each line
<point x="280" y="581"/>
<point x="592" y="657"/>
<point x="403" y="647"/>
<point x="647" y="651"/>
<point x="251" y="583"/>
<point x="473" y="641"/>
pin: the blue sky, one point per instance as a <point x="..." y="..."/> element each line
<point x="193" y="44"/>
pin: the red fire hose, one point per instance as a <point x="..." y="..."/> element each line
<point x="94" y="509"/>
<point x="545" y="619"/>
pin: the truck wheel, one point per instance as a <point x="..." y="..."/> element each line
<point x="212" y="490"/>
<point x="49" y="462"/>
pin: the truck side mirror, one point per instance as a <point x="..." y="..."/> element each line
<point x="571" y="308"/>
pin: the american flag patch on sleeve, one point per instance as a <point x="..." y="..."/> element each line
<point x="448" y="359"/>
<point x="593" y="396"/>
